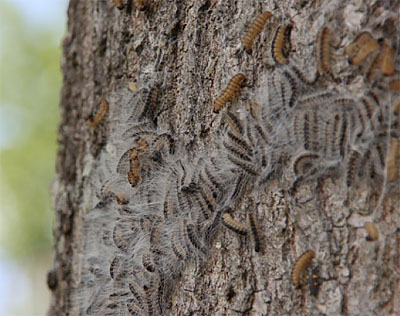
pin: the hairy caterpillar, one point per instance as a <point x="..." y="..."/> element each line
<point x="100" y="114"/>
<point x="280" y="52"/>
<point x="230" y="91"/>
<point x="372" y="231"/>
<point x="255" y="27"/>
<point x="323" y="52"/>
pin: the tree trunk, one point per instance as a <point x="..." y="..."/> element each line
<point x="189" y="50"/>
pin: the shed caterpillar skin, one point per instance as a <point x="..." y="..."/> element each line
<point x="100" y="114"/>
<point x="231" y="91"/>
<point x="301" y="265"/>
<point x="255" y="27"/>
<point x="386" y="58"/>
<point x="279" y="52"/>
<point x="393" y="161"/>
<point x="363" y="45"/>
<point x="383" y="61"/>
<point x="372" y="231"/>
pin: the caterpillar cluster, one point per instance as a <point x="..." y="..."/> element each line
<point x="160" y="204"/>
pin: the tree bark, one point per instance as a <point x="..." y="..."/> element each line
<point x="191" y="49"/>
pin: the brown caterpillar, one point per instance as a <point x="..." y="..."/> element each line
<point x="140" y="4"/>
<point x="253" y="230"/>
<point x="237" y="227"/>
<point x="392" y="162"/>
<point x="363" y="45"/>
<point x="372" y="231"/>
<point x="323" y="52"/>
<point x="280" y="47"/>
<point x="301" y="265"/>
<point x="118" y="4"/>
<point x="255" y="27"/>
<point x="100" y="114"/>
<point x="230" y="91"/>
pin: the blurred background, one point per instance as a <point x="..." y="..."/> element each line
<point x="30" y="81"/>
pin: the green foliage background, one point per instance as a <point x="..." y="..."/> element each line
<point x="30" y="81"/>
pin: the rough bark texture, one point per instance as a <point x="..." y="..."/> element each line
<point x="192" y="48"/>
